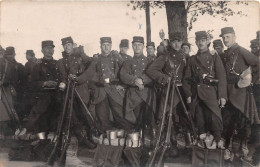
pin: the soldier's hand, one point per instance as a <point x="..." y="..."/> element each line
<point x="189" y="100"/>
<point x="140" y="87"/>
<point x="139" y="81"/>
<point x="222" y="102"/>
<point x="119" y="87"/>
<point x="73" y="77"/>
<point x="62" y="86"/>
<point x="50" y="84"/>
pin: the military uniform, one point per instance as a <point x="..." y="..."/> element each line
<point x="75" y="64"/>
<point x="206" y="94"/>
<point x="241" y="105"/>
<point x="138" y="102"/>
<point x="29" y="97"/>
<point x="44" y="114"/>
<point x="107" y="96"/>
<point x="9" y="77"/>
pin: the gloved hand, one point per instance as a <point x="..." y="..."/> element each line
<point x="139" y="81"/>
<point x="62" y="86"/>
<point x="222" y="102"/>
<point x="188" y="100"/>
<point x="50" y="84"/>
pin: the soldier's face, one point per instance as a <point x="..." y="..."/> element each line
<point x="176" y="44"/>
<point x="219" y="49"/>
<point x="150" y="50"/>
<point x="68" y="47"/>
<point x="48" y="51"/>
<point x="186" y="49"/>
<point x="229" y="39"/>
<point x="29" y="57"/>
<point x="106" y="48"/>
<point x="124" y="50"/>
<point x="202" y="44"/>
<point x="138" y="47"/>
<point x="254" y="49"/>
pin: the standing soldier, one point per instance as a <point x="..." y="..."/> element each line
<point x="124" y="46"/>
<point x="140" y="96"/>
<point x="43" y="117"/>
<point x="170" y="64"/>
<point x="205" y="74"/>
<point x="109" y="91"/>
<point x="150" y="48"/>
<point x="218" y="46"/>
<point x="9" y="82"/>
<point x="241" y="104"/>
<point x="29" y="96"/>
<point x="73" y="64"/>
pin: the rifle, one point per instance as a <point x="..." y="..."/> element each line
<point x="11" y="111"/>
<point x="57" y="138"/>
<point x="87" y="111"/>
<point x="167" y="142"/>
<point x="157" y="146"/>
<point x="67" y="136"/>
<point x="195" y="135"/>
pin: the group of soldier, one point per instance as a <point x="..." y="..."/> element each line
<point x="128" y="92"/>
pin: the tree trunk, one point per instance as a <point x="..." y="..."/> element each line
<point x="177" y="17"/>
<point x="148" y="22"/>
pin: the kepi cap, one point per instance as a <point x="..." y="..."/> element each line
<point x="175" y="36"/>
<point x="66" y="40"/>
<point x="226" y="30"/>
<point x="47" y="43"/>
<point x="9" y="50"/>
<point x="124" y="43"/>
<point x="138" y="39"/>
<point x="201" y="35"/>
<point x="105" y="40"/>
<point x="217" y="43"/>
<point x="30" y="52"/>
<point x="150" y="44"/>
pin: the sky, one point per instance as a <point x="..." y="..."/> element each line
<point x="25" y="24"/>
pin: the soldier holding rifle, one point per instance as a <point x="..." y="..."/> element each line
<point x="170" y="64"/>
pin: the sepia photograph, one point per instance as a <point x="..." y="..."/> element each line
<point x="128" y="83"/>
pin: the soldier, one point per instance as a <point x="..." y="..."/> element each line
<point x="109" y="91"/>
<point x="140" y="97"/>
<point x="241" y="105"/>
<point x="170" y="64"/>
<point x="205" y="74"/>
<point x="150" y="48"/>
<point x="73" y="64"/>
<point x="218" y="46"/>
<point x="9" y="82"/>
<point x="31" y="61"/>
<point x="29" y="96"/>
<point x="186" y="48"/>
<point x="43" y="117"/>
<point x="2" y="52"/>
<point x="124" y="46"/>
<point x="18" y="83"/>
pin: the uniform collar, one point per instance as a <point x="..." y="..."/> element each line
<point x="138" y="56"/>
